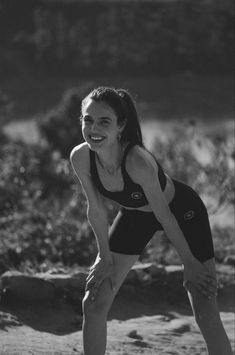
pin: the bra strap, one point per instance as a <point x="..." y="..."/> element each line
<point x="123" y="164"/>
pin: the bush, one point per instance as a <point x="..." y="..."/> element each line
<point x="42" y="211"/>
<point x="30" y="174"/>
<point x="212" y="178"/>
<point x="61" y="126"/>
<point x="45" y="234"/>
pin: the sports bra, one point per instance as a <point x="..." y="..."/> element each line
<point x="132" y="194"/>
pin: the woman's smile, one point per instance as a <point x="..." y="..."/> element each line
<point x="96" y="138"/>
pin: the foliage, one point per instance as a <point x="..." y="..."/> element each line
<point x="42" y="213"/>
<point x="61" y="126"/>
<point x="212" y="178"/>
<point x="29" y="175"/>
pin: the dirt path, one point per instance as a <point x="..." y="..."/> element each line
<point x="53" y="331"/>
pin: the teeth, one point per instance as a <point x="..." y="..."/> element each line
<point x="97" y="138"/>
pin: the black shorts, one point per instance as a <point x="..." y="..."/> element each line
<point x="132" y="229"/>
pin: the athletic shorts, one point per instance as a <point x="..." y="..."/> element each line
<point x="132" y="229"/>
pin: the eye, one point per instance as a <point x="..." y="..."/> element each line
<point x="105" y="123"/>
<point x="87" y="120"/>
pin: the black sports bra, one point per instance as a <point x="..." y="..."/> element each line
<point x="132" y="194"/>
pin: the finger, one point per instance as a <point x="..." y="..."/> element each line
<point x="186" y="284"/>
<point x="92" y="271"/>
<point x="95" y="273"/>
<point x="206" y="290"/>
<point x="90" y="283"/>
<point x="95" y="288"/>
<point x="200" y="288"/>
<point x="209" y="276"/>
<point x="93" y="267"/>
<point x="211" y="285"/>
<point x="90" y="276"/>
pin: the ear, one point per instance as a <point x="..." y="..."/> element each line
<point x="122" y="126"/>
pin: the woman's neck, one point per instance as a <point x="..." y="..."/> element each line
<point x="110" y="159"/>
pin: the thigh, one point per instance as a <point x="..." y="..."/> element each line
<point x="122" y="265"/>
<point x="192" y="217"/>
<point x="131" y="231"/>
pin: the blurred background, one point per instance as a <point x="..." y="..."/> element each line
<point x="177" y="59"/>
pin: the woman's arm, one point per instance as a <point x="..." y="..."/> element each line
<point x="98" y="220"/>
<point x="145" y="172"/>
<point x="96" y="210"/>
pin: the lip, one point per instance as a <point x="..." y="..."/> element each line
<point x="96" y="141"/>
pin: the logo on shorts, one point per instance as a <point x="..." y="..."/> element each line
<point x="136" y="195"/>
<point x="189" y="214"/>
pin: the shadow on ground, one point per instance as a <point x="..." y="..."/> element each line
<point x="65" y="319"/>
<point x="59" y="320"/>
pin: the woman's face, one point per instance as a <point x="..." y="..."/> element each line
<point x="100" y="128"/>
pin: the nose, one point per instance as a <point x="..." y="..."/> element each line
<point x="94" y="127"/>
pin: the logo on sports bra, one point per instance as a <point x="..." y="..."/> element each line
<point x="189" y="214"/>
<point x="136" y="195"/>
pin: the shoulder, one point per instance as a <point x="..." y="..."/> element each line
<point x="140" y="163"/>
<point x="79" y="158"/>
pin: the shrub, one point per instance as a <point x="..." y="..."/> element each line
<point x="214" y="178"/>
<point x="42" y="211"/>
<point x="30" y="174"/>
<point x="61" y="126"/>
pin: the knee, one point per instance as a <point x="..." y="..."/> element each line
<point x="93" y="308"/>
<point x="98" y="306"/>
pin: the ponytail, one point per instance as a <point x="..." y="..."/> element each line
<point x="132" y="131"/>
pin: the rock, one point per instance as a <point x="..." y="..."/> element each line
<point x="178" y="326"/>
<point x="42" y="287"/>
<point x="134" y="335"/>
<point x="77" y="281"/>
<point x="17" y="287"/>
<point x="141" y="344"/>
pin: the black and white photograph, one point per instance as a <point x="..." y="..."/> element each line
<point x="117" y="177"/>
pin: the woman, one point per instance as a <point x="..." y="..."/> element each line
<point x="113" y="162"/>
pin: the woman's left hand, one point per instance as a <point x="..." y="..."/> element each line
<point x="198" y="275"/>
<point x="102" y="268"/>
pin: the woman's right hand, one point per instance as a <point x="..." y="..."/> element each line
<point x="198" y="275"/>
<point x="101" y="269"/>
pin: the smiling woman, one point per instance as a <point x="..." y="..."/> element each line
<point x="114" y="163"/>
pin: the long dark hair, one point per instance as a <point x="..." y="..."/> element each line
<point x="123" y="104"/>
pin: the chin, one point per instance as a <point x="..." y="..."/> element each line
<point x="95" y="146"/>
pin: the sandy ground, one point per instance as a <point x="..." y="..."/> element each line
<point x="57" y="331"/>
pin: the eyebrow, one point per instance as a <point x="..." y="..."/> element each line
<point x="100" y="118"/>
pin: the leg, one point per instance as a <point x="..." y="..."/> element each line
<point x="208" y="319"/>
<point x="95" y="312"/>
